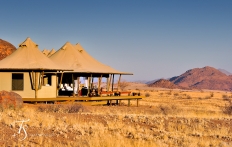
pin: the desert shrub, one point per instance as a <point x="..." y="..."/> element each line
<point x="61" y="108"/>
<point x="123" y="84"/>
<point x="176" y="94"/>
<point x="169" y="109"/>
<point x="188" y="97"/>
<point x="151" y="90"/>
<point x="208" y="97"/>
<point x="137" y="89"/>
<point x="212" y="94"/>
<point x="74" y="108"/>
<point x="147" y="94"/>
<point x="228" y="108"/>
<point x="169" y="93"/>
<point x="161" y="94"/>
<point x="164" y="109"/>
<point x="225" y="97"/>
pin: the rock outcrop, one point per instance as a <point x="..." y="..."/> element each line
<point x="10" y="100"/>
<point x="6" y="49"/>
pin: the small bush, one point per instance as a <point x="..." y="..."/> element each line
<point x="228" y="108"/>
<point x="189" y="97"/>
<point x="208" y="97"/>
<point x="161" y="94"/>
<point x="168" y="109"/>
<point x="147" y="94"/>
<point x="164" y="109"/>
<point x="61" y="108"/>
<point x="169" y="93"/>
<point x="176" y="94"/>
<point x="212" y="95"/>
<point x="225" y="97"/>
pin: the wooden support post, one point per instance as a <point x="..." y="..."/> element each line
<point x="119" y="102"/>
<point x="57" y="85"/>
<point x="99" y="84"/>
<point x="137" y="102"/>
<point x="33" y="80"/>
<point x="108" y="84"/>
<point x="119" y="79"/>
<point x="73" y="85"/>
<point x="107" y="81"/>
<point x="92" y="82"/>
<point x="61" y="78"/>
<point x="113" y="83"/>
<point x="78" y="83"/>
<point x="128" y="103"/>
<point x="89" y="79"/>
<point x="36" y="85"/>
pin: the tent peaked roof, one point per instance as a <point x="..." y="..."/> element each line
<point x="29" y="57"/>
<point x="76" y="58"/>
<point x="51" y="53"/>
<point x="45" y="52"/>
<point x="28" y="43"/>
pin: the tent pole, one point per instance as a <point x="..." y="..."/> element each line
<point x="113" y="83"/>
<point x="108" y="84"/>
<point x="56" y="85"/>
<point x="73" y="85"/>
<point x="78" y="82"/>
<point x="61" y="78"/>
<point x="99" y="84"/>
<point x="36" y="85"/>
<point x="107" y="81"/>
<point x="42" y="82"/>
<point x="92" y="83"/>
<point x="119" y="79"/>
<point x="33" y="80"/>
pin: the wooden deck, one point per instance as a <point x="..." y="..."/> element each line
<point x="87" y="100"/>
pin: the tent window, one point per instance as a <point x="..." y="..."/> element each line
<point x="47" y="80"/>
<point x="17" y="81"/>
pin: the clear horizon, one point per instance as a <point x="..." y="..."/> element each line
<point x="152" y="39"/>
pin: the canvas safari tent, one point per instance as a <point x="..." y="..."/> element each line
<point x="83" y="65"/>
<point x="24" y="72"/>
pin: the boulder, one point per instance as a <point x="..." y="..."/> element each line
<point x="6" y="49"/>
<point x="10" y="99"/>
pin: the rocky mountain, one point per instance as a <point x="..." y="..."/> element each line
<point x="6" y="49"/>
<point x="225" y="71"/>
<point x="164" y="84"/>
<point x="204" y="78"/>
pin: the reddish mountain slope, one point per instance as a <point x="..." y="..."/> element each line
<point x="6" y="49"/>
<point x="164" y="84"/>
<point x="204" y="78"/>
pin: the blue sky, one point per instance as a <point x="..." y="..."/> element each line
<point x="152" y="38"/>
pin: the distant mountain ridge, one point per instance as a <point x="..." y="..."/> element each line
<point x="164" y="84"/>
<point x="225" y="71"/>
<point x="198" y="78"/>
<point x="204" y="78"/>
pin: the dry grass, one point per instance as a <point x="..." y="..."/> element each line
<point x="182" y="118"/>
